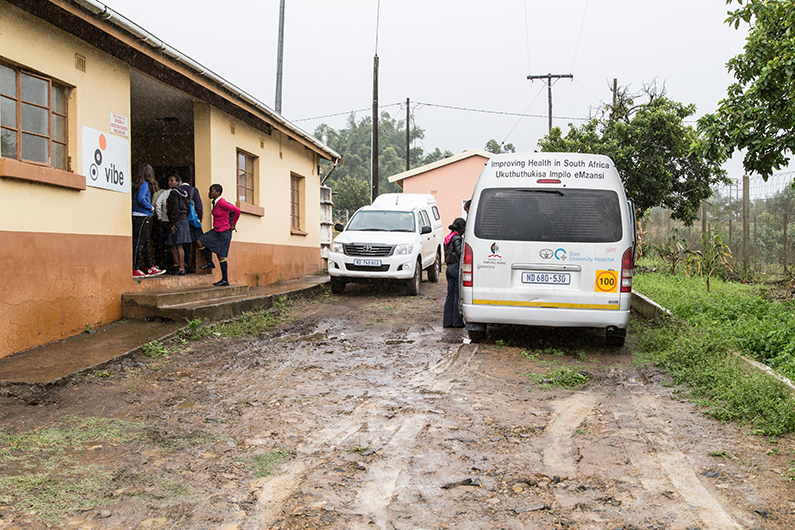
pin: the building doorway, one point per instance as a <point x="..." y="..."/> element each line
<point x="162" y="135"/>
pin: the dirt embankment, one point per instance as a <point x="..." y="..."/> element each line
<point x="361" y="412"/>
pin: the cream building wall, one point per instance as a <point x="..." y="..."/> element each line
<point x="69" y="244"/>
<point x="102" y="89"/>
<point x="69" y="248"/>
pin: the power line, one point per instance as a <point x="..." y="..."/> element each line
<point x="577" y="47"/>
<point x="418" y="104"/>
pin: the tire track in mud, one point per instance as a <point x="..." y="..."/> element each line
<point x="663" y="468"/>
<point x="381" y="483"/>
<point x="671" y="488"/>
<point x="557" y="443"/>
<point x="379" y="487"/>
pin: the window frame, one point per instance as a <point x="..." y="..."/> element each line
<point x="297" y="183"/>
<point x="250" y="176"/>
<point x="18" y="99"/>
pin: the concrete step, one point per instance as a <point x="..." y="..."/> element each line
<point x="218" y="308"/>
<point x="153" y="302"/>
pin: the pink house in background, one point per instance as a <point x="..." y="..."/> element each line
<point x="451" y="181"/>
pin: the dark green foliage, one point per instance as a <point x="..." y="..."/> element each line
<point x="697" y="350"/>
<point x="350" y="181"/>
<point x="758" y="114"/>
<point x="653" y="151"/>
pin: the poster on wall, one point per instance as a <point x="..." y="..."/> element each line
<point x="106" y="160"/>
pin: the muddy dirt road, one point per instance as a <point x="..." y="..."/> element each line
<point x="374" y="417"/>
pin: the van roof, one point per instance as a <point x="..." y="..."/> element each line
<point x="406" y="200"/>
<point x="576" y="170"/>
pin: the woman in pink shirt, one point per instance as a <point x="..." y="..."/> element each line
<point x="217" y="240"/>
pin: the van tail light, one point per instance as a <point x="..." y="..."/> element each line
<point x="466" y="267"/>
<point x="627" y="266"/>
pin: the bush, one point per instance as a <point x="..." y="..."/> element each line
<point x="697" y="349"/>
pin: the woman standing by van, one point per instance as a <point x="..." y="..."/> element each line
<point x="452" y="257"/>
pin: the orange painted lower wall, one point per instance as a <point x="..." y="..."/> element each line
<point x="261" y="264"/>
<point x="55" y="284"/>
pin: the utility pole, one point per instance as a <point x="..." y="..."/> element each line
<point x="408" y="133"/>
<point x="279" y="59"/>
<point x="549" y="78"/>
<point x="374" y="184"/>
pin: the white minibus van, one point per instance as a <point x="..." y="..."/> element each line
<point x="549" y="242"/>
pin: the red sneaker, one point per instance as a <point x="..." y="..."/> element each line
<point x="154" y="271"/>
<point x="138" y="273"/>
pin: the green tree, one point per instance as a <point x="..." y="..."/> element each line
<point x="354" y="143"/>
<point x="350" y="194"/>
<point x="652" y="148"/>
<point x="493" y="147"/>
<point x="758" y="114"/>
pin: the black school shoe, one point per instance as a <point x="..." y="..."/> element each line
<point x="221" y="283"/>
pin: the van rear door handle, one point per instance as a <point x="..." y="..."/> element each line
<point x="546" y="267"/>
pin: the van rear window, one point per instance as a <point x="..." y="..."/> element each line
<point x="559" y="215"/>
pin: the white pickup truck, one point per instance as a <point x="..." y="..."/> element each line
<point x="392" y="240"/>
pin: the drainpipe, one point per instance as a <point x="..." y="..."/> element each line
<point x="104" y="12"/>
<point x="326" y="176"/>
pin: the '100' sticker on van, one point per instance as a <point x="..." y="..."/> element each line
<point x="606" y="282"/>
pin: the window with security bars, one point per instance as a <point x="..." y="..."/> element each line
<point x="33" y="118"/>
<point x="295" y="202"/>
<point x="245" y="177"/>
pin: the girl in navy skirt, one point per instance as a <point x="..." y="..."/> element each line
<point x="217" y="240"/>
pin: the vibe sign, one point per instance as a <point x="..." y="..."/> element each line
<point x="106" y="161"/>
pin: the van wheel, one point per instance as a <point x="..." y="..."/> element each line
<point x="413" y="285"/>
<point x="477" y="336"/>
<point x="615" y="337"/>
<point x="436" y="268"/>
<point x="337" y="285"/>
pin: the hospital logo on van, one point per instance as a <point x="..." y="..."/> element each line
<point x="560" y="254"/>
<point x="495" y="251"/>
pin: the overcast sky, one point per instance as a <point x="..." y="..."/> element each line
<point x="454" y="53"/>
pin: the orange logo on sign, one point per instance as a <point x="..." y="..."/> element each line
<point x="606" y="282"/>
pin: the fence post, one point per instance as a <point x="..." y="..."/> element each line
<point x="785" y="260"/>
<point x="746" y="223"/>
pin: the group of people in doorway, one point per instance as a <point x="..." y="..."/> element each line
<point x="175" y="213"/>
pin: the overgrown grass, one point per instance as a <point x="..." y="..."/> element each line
<point x="43" y="475"/>
<point x="262" y="464"/>
<point x="71" y="433"/>
<point x="696" y="350"/>
<point x="561" y="377"/>
<point x="155" y="349"/>
<point x="254" y="322"/>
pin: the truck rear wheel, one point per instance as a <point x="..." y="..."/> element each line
<point x="435" y="269"/>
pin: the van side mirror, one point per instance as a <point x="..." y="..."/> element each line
<point x="339" y="227"/>
<point x="426" y="230"/>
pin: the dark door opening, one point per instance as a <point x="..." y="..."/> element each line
<point x="162" y="135"/>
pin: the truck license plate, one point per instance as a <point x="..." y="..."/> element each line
<point x="367" y="262"/>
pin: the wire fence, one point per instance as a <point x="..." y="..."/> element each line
<point x="771" y="225"/>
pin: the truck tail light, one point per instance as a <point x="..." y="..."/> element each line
<point x="466" y="267"/>
<point x="627" y="266"/>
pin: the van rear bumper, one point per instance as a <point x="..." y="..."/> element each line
<point x="542" y="316"/>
